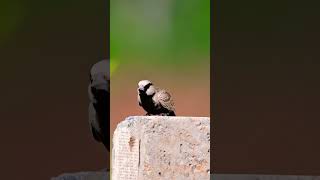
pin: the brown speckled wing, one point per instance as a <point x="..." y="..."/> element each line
<point x="165" y="99"/>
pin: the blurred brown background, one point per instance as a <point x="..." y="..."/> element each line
<point x="190" y="88"/>
<point x="266" y="87"/>
<point x="47" y="48"/>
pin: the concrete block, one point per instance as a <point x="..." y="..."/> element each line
<point x="161" y="147"/>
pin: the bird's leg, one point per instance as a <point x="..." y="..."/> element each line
<point x="163" y="114"/>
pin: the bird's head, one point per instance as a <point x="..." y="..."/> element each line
<point x="100" y="76"/>
<point x="146" y="87"/>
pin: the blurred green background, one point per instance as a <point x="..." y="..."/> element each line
<point x="174" y="32"/>
<point x="165" y="41"/>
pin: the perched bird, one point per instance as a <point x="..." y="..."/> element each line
<point x="99" y="107"/>
<point x="153" y="100"/>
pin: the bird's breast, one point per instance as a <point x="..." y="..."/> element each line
<point x="147" y="103"/>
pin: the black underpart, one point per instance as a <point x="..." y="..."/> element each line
<point x="150" y="107"/>
<point x="102" y="107"/>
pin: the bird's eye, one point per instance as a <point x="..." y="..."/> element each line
<point x="147" y="86"/>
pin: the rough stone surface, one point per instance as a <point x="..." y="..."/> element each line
<point x="161" y="147"/>
<point x="99" y="175"/>
<point x="261" y="177"/>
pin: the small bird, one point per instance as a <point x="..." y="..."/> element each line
<point x="99" y="107"/>
<point x="155" y="101"/>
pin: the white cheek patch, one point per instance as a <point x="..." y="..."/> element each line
<point x="150" y="91"/>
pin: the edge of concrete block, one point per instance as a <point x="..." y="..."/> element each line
<point x="130" y="120"/>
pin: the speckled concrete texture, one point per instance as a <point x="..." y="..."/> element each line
<point x="176" y="148"/>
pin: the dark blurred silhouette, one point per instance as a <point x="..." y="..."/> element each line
<point x="99" y="106"/>
<point x="44" y="63"/>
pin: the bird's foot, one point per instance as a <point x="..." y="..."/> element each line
<point x="163" y="114"/>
